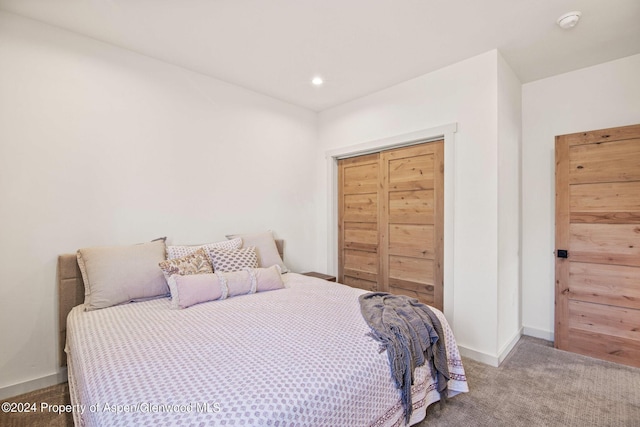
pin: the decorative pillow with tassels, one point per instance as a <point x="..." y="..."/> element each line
<point x="192" y="289"/>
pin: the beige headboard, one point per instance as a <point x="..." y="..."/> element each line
<point x="71" y="293"/>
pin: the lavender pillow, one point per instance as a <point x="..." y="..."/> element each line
<point x="193" y="289"/>
<point x="268" y="279"/>
<point x="196" y="288"/>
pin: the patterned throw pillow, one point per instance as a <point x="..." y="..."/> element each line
<point x="233" y="260"/>
<point x="265" y="248"/>
<point x="195" y="263"/>
<point x="180" y="251"/>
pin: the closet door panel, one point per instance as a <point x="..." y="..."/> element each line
<point x="362" y="236"/>
<point x="361" y="208"/>
<point x="411" y="270"/>
<point x="358" y="211"/>
<point x="411" y="207"/>
<point x="411" y="221"/>
<point x="366" y="262"/>
<point x="411" y="241"/>
<point x="409" y="173"/>
<point x="368" y="285"/>
<point x="361" y="178"/>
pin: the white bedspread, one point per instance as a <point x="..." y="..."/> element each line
<point x="298" y="356"/>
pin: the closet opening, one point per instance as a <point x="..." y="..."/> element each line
<point x="390" y="221"/>
<point x="405" y="245"/>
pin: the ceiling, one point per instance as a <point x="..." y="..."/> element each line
<point x="275" y="47"/>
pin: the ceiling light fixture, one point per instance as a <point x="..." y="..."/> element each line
<point x="569" y="20"/>
<point x="317" y="81"/>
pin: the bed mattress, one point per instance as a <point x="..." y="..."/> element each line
<point x="299" y="356"/>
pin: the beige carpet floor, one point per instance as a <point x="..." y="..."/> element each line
<point x="54" y="395"/>
<point x="536" y="385"/>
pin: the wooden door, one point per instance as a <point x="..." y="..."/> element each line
<point x="411" y="225"/>
<point x="358" y="212"/>
<point x="391" y="221"/>
<point x="598" y="224"/>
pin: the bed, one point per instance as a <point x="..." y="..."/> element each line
<point x="297" y="356"/>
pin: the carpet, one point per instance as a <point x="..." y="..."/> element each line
<point x="54" y="395"/>
<point x="538" y="385"/>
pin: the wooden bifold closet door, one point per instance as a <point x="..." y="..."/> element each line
<point x="390" y="221"/>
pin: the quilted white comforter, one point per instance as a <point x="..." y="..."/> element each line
<point x="298" y="356"/>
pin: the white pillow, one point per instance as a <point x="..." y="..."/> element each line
<point x="265" y="246"/>
<point x="174" y="252"/>
<point x="117" y="274"/>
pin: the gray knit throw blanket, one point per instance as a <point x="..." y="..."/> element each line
<point x="410" y="333"/>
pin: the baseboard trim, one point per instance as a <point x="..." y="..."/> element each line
<point x="506" y="349"/>
<point x="478" y="356"/>
<point x="538" y="333"/>
<point x="32" y="385"/>
<point x="489" y="359"/>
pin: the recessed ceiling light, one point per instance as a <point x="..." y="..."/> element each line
<point x="569" y="20"/>
<point x="317" y="81"/>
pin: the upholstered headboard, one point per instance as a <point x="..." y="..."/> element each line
<point x="71" y="293"/>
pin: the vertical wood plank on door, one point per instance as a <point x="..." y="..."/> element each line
<point x="438" y="220"/>
<point x="383" y="225"/>
<point x="562" y="240"/>
<point x="341" y="230"/>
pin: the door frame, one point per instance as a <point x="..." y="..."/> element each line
<point x="445" y="132"/>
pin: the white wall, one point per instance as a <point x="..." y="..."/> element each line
<point x="465" y="93"/>
<point x="603" y="96"/>
<point x="509" y="142"/>
<point x="102" y="146"/>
